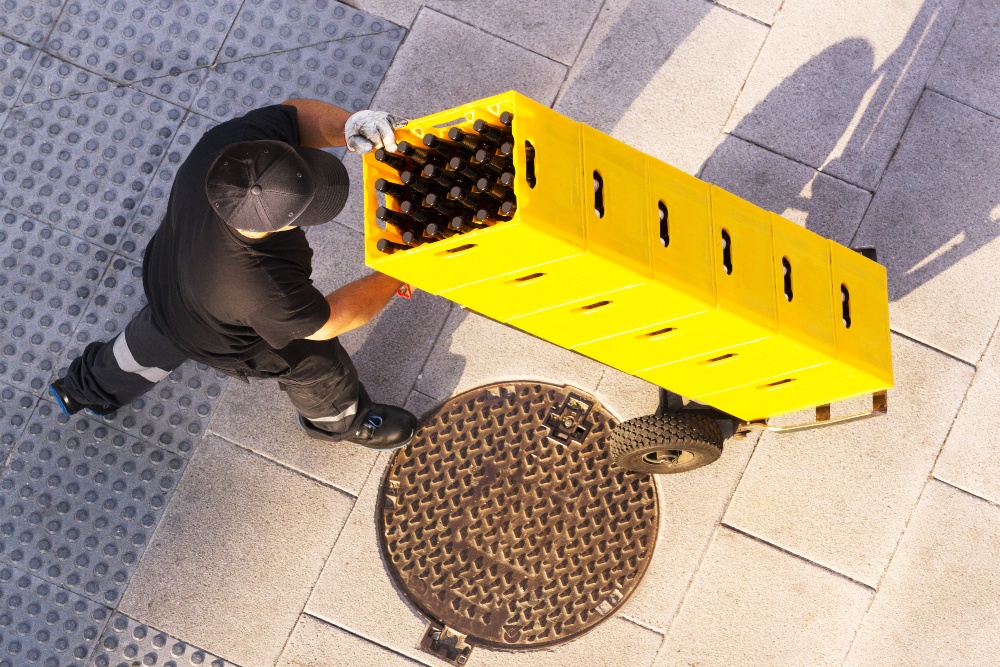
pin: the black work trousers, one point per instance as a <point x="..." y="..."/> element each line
<point x="318" y="376"/>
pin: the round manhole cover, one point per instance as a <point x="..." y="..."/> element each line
<point x="507" y="522"/>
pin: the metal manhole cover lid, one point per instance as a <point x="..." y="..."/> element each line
<point x="506" y="521"/>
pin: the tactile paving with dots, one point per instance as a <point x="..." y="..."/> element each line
<point x="16" y="61"/>
<point x="15" y="409"/>
<point x="82" y="164"/>
<point x="126" y="643"/>
<point x="346" y="73"/>
<point x="48" y="277"/>
<point x="175" y="413"/>
<point x="270" y="26"/>
<point x="29" y="21"/>
<point x="153" y="206"/>
<point x="44" y="625"/>
<point x="132" y="40"/>
<point x="51" y="78"/>
<point x="79" y="502"/>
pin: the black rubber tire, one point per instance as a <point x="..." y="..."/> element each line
<point x="666" y="443"/>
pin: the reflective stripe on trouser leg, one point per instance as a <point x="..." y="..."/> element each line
<point x="345" y="416"/>
<point x="126" y="361"/>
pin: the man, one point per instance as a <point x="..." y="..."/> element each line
<point x="227" y="273"/>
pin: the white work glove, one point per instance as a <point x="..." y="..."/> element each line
<point x="367" y="130"/>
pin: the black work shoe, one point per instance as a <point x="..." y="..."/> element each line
<point x="381" y="427"/>
<point x="71" y="407"/>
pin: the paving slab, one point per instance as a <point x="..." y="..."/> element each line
<point x="472" y="351"/>
<point x="43" y="624"/>
<point x="129" y="642"/>
<point x="355" y="592"/>
<point x="971" y="453"/>
<point x="30" y="21"/>
<point x="821" y="203"/>
<point x="445" y="62"/>
<point x="754" y="604"/>
<point x="553" y="29"/>
<point x="109" y="145"/>
<point x="836" y="83"/>
<point x="663" y="76"/>
<point x="48" y="278"/>
<point x="942" y="576"/>
<point x="236" y="554"/>
<point x="16" y="408"/>
<point x="934" y="223"/>
<point x="86" y="526"/>
<point x="691" y="506"/>
<point x="265" y="26"/>
<point x="762" y="10"/>
<point x="626" y="395"/>
<point x="346" y="72"/>
<point x="52" y="79"/>
<point x="115" y="40"/>
<point x="16" y="62"/>
<point x="968" y="68"/>
<point x="420" y="404"/>
<point x="315" y="642"/>
<point x="840" y="496"/>
<point x="400" y="12"/>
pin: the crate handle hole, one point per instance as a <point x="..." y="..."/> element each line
<point x="786" y="271"/>
<point x="593" y="306"/>
<point x="664" y="224"/>
<point x="845" y="300"/>
<point x="529" y="164"/>
<point x="530" y="276"/>
<point x="598" y="194"/>
<point x="458" y="249"/>
<point x="721" y="358"/>
<point x="660" y="332"/>
<point x="779" y="383"/>
<point x="727" y="253"/>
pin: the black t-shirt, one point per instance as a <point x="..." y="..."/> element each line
<point x="219" y="296"/>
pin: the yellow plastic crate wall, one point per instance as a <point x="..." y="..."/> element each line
<point x="541" y="222"/>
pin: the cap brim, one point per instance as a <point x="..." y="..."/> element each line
<point x="332" y="186"/>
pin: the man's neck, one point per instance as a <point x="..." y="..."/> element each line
<point x="260" y="235"/>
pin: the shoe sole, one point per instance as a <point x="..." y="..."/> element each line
<point x="59" y="401"/>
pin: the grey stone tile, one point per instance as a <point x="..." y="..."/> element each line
<point x="445" y="63"/>
<point x="473" y="351"/>
<point x="970" y="459"/>
<point x="43" y="624"/>
<point x="691" y="506"/>
<point x="90" y="181"/>
<point x="626" y="395"/>
<point x="30" y="21"/>
<point x="16" y="408"/>
<point x="16" y="62"/>
<point x="237" y="552"/>
<point x="115" y="40"/>
<point x="127" y="642"/>
<point x="851" y="487"/>
<point x="968" y="68"/>
<point x="86" y="526"/>
<point x="942" y="576"/>
<point x="48" y="278"/>
<point x="762" y="10"/>
<point x="826" y="205"/>
<point x="269" y="27"/>
<point x="153" y="206"/>
<point x="662" y="76"/>
<point x="315" y="642"/>
<point x="553" y="29"/>
<point x="934" y="223"/>
<point x="420" y="404"/>
<point x="836" y="83"/>
<point x="54" y="79"/>
<point x="752" y="603"/>
<point x="260" y="417"/>
<point x="346" y="72"/>
<point x="401" y="12"/>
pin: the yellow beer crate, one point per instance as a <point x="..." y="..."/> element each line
<point x="625" y="259"/>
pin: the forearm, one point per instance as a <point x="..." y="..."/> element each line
<point x="321" y="125"/>
<point x="356" y="303"/>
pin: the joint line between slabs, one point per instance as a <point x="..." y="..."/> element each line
<point x="362" y="637"/>
<point x="950" y="355"/>
<point x="222" y="44"/>
<point x="740" y="14"/>
<point x="430" y="351"/>
<point x="966" y="492"/>
<point x="576" y="56"/>
<point x="284" y="466"/>
<point x="761" y="540"/>
<point x="964" y="104"/>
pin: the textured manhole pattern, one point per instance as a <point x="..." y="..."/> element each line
<point x="505" y="520"/>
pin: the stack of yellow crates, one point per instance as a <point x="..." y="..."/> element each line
<point x="621" y="257"/>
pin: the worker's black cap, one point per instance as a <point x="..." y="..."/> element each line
<point x="261" y="186"/>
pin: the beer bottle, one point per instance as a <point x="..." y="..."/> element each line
<point x="471" y="141"/>
<point x="446" y="149"/>
<point x="506" y="119"/>
<point x="395" y="161"/>
<point x="417" y="212"/>
<point x="463" y="168"/>
<point x="494" y="188"/>
<point x="446" y="181"/>
<point x="388" y="247"/>
<point x="440" y="204"/>
<point x="398" y="219"/>
<point x="435" y="230"/>
<point x="464" y="222"/>
<point x="492" y="162"/>
<point x="506" y="179"/>
<point x="495" y="134"/>
<point x="412" y="180"/>
<point x="411" y="238"/>
<point x="395" y="190"/>
<point x="415" y="153"/>
<point x="493" y="213"/>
